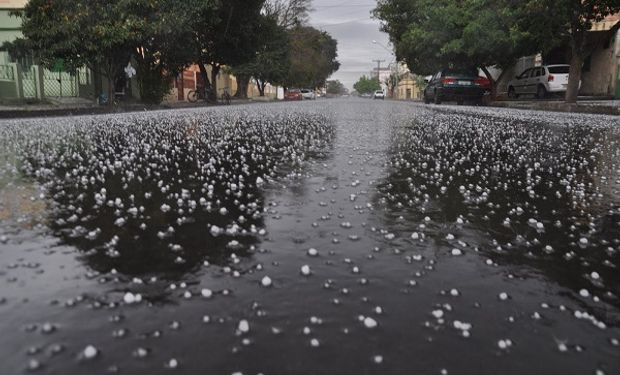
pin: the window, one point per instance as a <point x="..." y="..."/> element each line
<point x="525" y="74"/>
<point x="559" y="69"/>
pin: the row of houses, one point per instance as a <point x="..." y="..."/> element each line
<point x="23" y="80"/>
<point x="600" y="73"/>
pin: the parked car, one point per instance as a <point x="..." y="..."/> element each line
<point x="308" y="94"/>
<point x="379" y="94"/>
<point x="540" y="81"/>
<point x="293" y="94"/>
<point x="459" y="85"/>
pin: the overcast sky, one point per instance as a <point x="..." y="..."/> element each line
<point x="350" y="22"/>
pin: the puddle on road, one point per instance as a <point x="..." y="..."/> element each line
<point x="328" y="237"/>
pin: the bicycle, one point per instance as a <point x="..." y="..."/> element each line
<point x="199" y="94"/>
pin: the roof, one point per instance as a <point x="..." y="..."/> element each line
<point x="12" y="4"/>
<point x="605" y="25"/>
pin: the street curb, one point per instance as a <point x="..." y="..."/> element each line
<point x="100" y="110"/>
<point x="560" y="107"/>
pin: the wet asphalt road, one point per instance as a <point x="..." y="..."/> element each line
<point x="328" y="237"/>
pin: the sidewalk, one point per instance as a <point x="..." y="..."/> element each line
<point x="85" y="107"/>
<point x="584" y="105"/>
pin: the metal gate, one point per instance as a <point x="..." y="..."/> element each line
<point x="29" y="81"/>
<point x="59" y="84"/>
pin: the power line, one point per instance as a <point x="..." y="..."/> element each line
<point x="378" y="67"/>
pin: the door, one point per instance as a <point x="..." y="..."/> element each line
<point x="535" y="79"/>
<point x="521" y="82"/>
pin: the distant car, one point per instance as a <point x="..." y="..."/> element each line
<point x="366" y="95"/>
<point x="293" y="94"/>
<point x="540" y="81"/>
<point x="379" y="94"/>
<point x="308" y="94"/>
<point x="458" y="85"/>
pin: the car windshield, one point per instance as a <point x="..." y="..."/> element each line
<point x="305" y="91"/>
<point x="378" y="92"/>
<point x="559" y="69"/>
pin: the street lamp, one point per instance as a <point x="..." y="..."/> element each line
<point x="384" y="47"/>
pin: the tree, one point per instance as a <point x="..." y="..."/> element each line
<point x="335" y="87"/>
<point x="289" y="13"/>
<point x="96" y="33"/>
<point x="392" y="82"/>
<point x="433" y="34"/>
<point x="271" y="62"/>
<point x="159" y="53"/>
<point x="223" y="32"/>
<point x="550" y="22"/>
<point x="313" y="57"/>
<point x="367" y="85"/>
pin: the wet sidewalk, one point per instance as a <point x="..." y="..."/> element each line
<point x="592" y="106"/>
<point x="84" y="107"/>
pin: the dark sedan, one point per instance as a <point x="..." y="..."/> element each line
<point x="458" y="85"/>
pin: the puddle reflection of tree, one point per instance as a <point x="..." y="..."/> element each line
<point x="167" y="169"/>
<point x="503" y="173"/>
<point x="143" y="197"/>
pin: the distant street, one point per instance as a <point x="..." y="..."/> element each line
<point x="336" y="236"/>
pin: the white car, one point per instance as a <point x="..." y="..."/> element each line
<point x="540" y="81"/>
<point x="379" y="94"/>
<point x="308" y="94"/>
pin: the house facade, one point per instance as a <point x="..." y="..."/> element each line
<point x="24" y="79"/>
<point x="600" y="73"/>
<point x="408" y="88"/>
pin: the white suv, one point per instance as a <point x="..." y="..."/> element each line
<point x="539" y="81"/>
<point x="308" y="94"/>
<point x="379" y="94"/>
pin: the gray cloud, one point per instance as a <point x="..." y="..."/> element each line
<point x="351" y="24"/>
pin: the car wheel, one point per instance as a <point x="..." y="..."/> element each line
<point x="459" y="102"/>
<point x="437" y="98"/>
<point x="425" y="97"/>
<point x="512" y="94"/>
<point x="541" y="92"/>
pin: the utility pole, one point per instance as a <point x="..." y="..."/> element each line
<point x="378" y="68"/>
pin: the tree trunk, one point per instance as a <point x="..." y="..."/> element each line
<point x="243" y="81"/>
<point x="261" y="87"/>
<point x="111" y="89"/>
<point x="493" y="82"/>
<point x="574" y="77"/>
<point x="97" y="81"/>
<point x="215" y="70"/>
<point x="203" y="74"/>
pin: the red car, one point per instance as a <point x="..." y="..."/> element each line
<point x="293" y="94"/>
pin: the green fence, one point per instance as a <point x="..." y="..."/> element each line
<point x="19" y="81"/>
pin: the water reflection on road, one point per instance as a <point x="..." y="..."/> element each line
<point x="332" y="237"/>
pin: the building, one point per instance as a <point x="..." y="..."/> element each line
<point x="600" y="74"/>
<point x="190" y="79"/>
<point x="408" y="87"/>
<point x="24" y="79"/>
